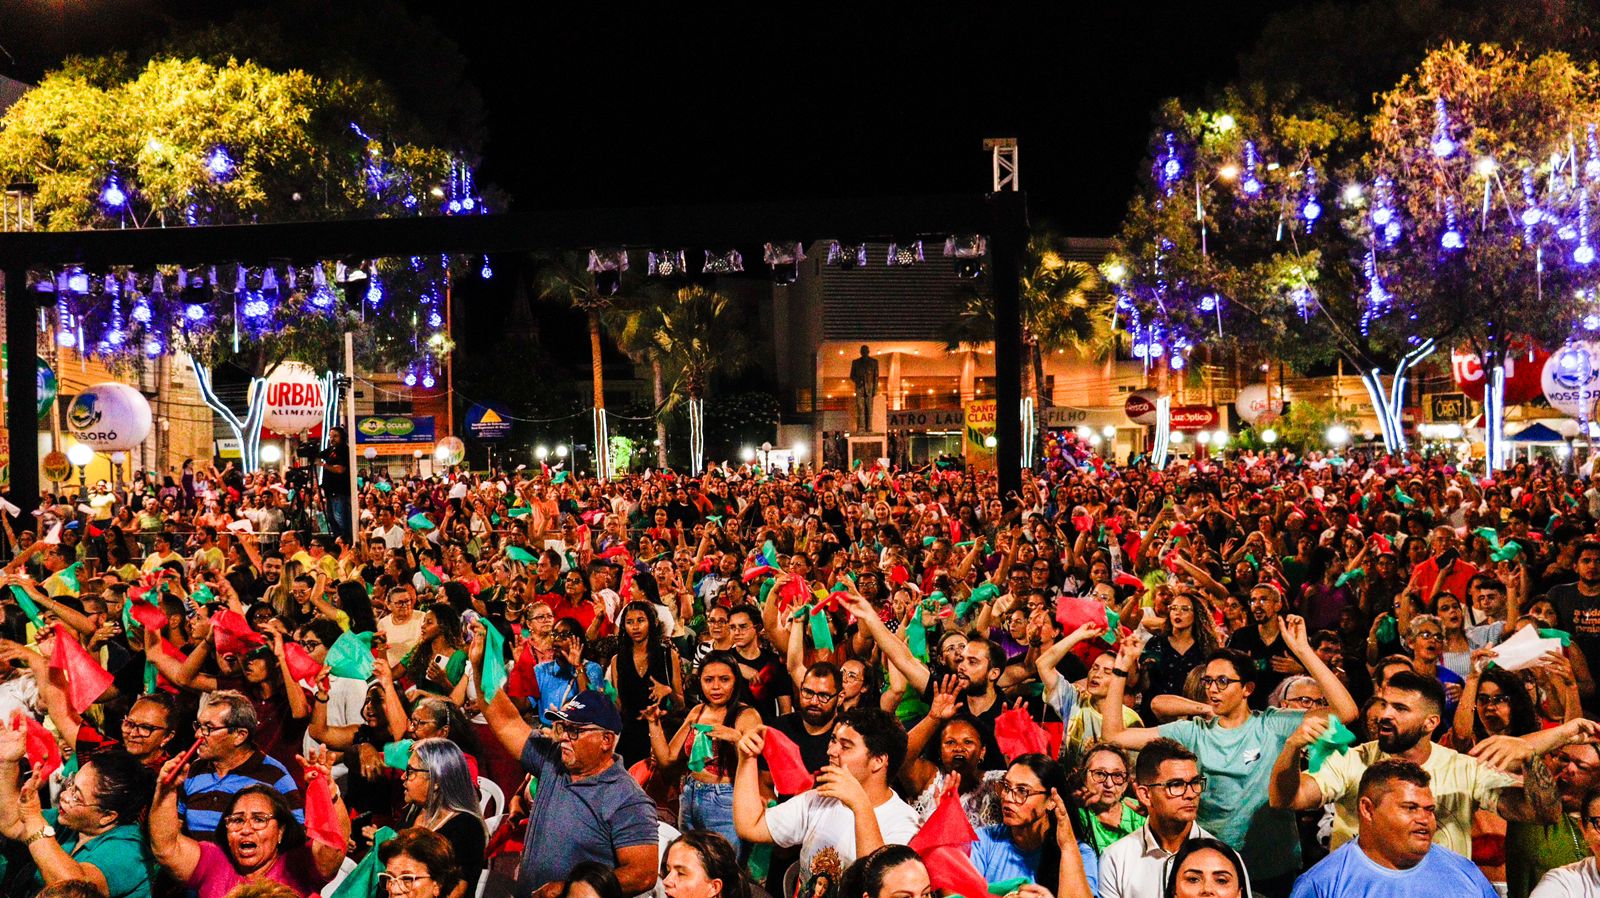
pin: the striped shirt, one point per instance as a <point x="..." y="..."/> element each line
<point x="205" y="795"/>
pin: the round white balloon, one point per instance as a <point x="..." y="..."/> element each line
<point x="1255" y="404"/>
<point x="1140" y="406"/>
<point x="109" y="416"/>
<point x="294" y="399"/>
<point x="1571" y="379"/>
<point x="449" y="451"/>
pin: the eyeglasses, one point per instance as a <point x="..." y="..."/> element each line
<point x="816" y="696"/>
<point x="1431" y="636"/>
<point x="415" y="771"/>
<point x="405" y="882"/>
<point x="70" y="789"/>
<point x="129" y="725"/>
<point x="1176" y="788"/>
<point x="204" y="730"/>
<point x="1114" y="777"/>
<point x="1307" y="701"/>
<point x="1496" y="699"/>
<point x="1219" y="682"/>
<point x="1009" y="790"/>
<point x="309" y="644"/>
<point x="252" y="821"/>
<point x="566" y="731"/>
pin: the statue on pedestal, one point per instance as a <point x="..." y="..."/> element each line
<point x="864" y="374"/>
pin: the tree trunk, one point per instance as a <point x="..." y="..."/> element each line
<point x="697" y="433"/>
<point x="658" y="389"/>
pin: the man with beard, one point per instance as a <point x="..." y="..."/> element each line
<point x="961" y="753"/>
<point x="1397" y="852"/>
<point x="1531" y="850"/>
<point x="977" y="671"/>
<point x="1264" y="643"/>
<point x="1409" y="707"/>
<point x="811" y="727"/>
<point x="1168" y="782"/>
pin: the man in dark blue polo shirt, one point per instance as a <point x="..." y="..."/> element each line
<point x="587" y="807"/>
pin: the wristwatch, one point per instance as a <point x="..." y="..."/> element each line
<point x="44" y="832"/>
<point x="1119" y="672"/>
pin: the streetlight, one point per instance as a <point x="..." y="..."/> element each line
<point x="1109" y="431"/>
<point x="561" y="450"/>
<point x="416" y="461"/>
<point x="747" y="454"/>
<point x="81" y="455"/>
<point x="1203" y="438"/>
<point x="1269" y="436"/>
<point x="1177" y="438"/>
<point x="271" y="454"/>
<point x="1338" y="435"/>
<point x="990" y="442"/>
<point x="1219" y="439"/>
<point x="541" y="453"/>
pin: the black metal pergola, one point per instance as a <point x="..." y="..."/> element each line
<point x="1000" y="216"/>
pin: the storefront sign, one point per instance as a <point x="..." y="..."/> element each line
<point x="1447" y="407"/>
<point x="394" y="429"/>
<point x="927" y="419"/>
<point x="979" y="430"/>
<point x="1195" y="417"/>
<point x="489" y="421"/>
<point x="1064" y="417"/>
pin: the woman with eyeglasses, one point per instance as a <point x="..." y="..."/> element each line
<point x="441" y="796"/>
<point x="92" y="834"/>
<point x="402" y="626"/>
<point x="1102" y="807"/>
<point x="705" y="743"/>
<point x="420" y="863"/>
<point x="1037" y="836"/>
<point x="258" y="838"/>
<point x="1425" y="639"/>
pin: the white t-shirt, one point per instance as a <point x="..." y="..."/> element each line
<point x="825" y="829"/>
<point x="394" y="537"/>
<point x="1578" y="880"/>
<point x="401" y="637"/>
<point x="346" y="695"/>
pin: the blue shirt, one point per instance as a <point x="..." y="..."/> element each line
<point x="583" y="820"/>
<point x="1349" y="873"/>
<point x="205" y="795"/>
<point x="998" y="859"/>
<point x="558" y="681"/>
<point x="1237" y="763"/>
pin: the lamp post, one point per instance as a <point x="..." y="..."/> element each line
<point x="416" y="461"/>
<point x="81" y="455"/>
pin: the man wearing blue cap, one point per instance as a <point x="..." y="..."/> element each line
<point x="587" y="807"/>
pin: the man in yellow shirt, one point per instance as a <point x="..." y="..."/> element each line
<point x="1409" y="710"/>
<point x="206" y="552"/>
<point x="161" y="553"/>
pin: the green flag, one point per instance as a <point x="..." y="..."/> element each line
<point x="398" y="754"/>
<point x="701" y="751"/>
<point x="419" y="521"/>
<point x="494" y="661"/>
<point x="69" y="575"/>
<point x="351" y="656"/>
<point x="521" y="511"/>
<point x="1007" y="886"/>
<point x="1563" y="635"/>
<point x="519" y="555"/>
<point x="362" y="882"/>
<point x="203" y="594"/>
<point x="821" y="632"/>
<point x="25" y="601"/>
<point x="431" y="578"/>
<point x="1336" y="739"/>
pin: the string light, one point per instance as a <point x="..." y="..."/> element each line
<point x="1451" y="238"/>
<point x="1443" y="146"/>
<point x="1251" y="185"/>
<point x="666" y="263"/>
<point x="219" y="164"/>
<point x="1584" y="254"/>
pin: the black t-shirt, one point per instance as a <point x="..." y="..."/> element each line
<point x="766" y="680"/>
<point x="813" y="749"/>
<point x="1579" y="615"/>
<point x="993" y="757"/>
<point x="1248" y="640"/>
<point x="336" y="482"/>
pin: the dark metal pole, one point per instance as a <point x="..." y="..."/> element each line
<point x="1008" y="238"/>
<point x="22" y="398"/>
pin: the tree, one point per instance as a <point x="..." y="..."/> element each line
<point x="700" y="336"/>
<point x="633" y="329"/>
<point x="179" y="142"/>
<point x="1494" y="161"/>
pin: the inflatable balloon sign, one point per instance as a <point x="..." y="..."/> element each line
<point x="1524" y="364"/>
<point x="109" y="416"/>
<point x="1570" y="379"/>
<point x="1255" y="405"/>
<point x="1141" y="407"/>
<point x="449" y="451"/>
<point x="294" y="399"/>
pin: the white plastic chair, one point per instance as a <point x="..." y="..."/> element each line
<point x="490" y="795"/>
<point x="345" y="867"/>
<point x="483" y="883"/>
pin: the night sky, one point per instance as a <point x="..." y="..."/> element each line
<point x="603" y="106"/>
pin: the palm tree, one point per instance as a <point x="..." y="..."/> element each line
<point x="633" y="328"/>
<point x="565" y="278"/>
<point x="1061" y="309"/>
<point x="699" y="337"/>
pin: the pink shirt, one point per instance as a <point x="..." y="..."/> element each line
<point x="215" y="876"/>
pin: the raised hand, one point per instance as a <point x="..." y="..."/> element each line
<point x="945" y="699"/>
<point x="839" y="784"/>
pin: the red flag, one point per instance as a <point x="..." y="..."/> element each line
<point x="947" y="826"/>
<point x="1074" y="612"/>
<point x="86" y="679"/>
<point x="757" y="571"/>
<point x="1123" y="578"/>
<point x="148" y="615"/>
<point x="44" y="755"/>
<point x="322" y="819"/>
<point x="792" y="592"/>
<point x="789" y="773"/>
<point x="950" y="869"/>
<point x="302" y="666"/>
<point x="232" y="633"/>
<point x="1055" y="731"/>
<point x="1018" y="735"/>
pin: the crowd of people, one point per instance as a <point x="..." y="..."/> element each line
<point x="1292" y="676"/>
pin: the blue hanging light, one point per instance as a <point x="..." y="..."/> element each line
<point x="1250" y="184"/>
<point x="219" y="165"/>
<point x="112" y="196"/>
<point x="1584" y="253"/>
<point x="1443" y="145"/>
<point x="1451" y="239"/>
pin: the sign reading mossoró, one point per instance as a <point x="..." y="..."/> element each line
<point x="927" y="419"/>
<point x="394" y="429"/>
